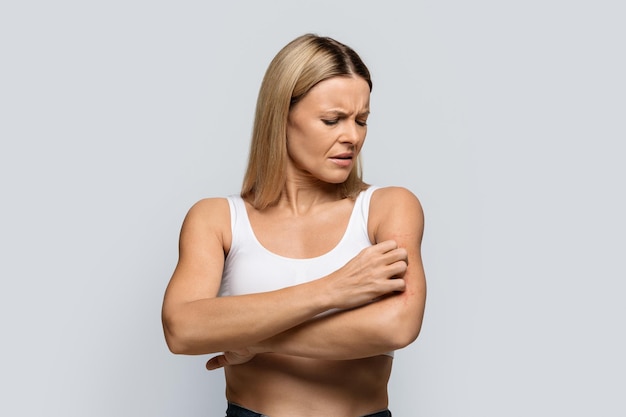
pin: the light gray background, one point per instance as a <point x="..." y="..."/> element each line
<point x="504" y="117"/>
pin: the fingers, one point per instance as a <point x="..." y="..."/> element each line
<point x="386" y="246"/>
<point x="216" y="362"/>
<point x="397" y="262"/>
<point x="392" y="253"/>
<point x="390" y="246"/>
<point x="229" y="358"/>
<point x="386" y="258"/>
<point x="377" y="270"/>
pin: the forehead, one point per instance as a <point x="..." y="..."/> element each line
<point x="347" y="93"/>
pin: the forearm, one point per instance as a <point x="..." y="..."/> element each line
<point x="374" y="329"/>
<point x="229" y="323"/>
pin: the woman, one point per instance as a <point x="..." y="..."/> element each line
<point x="310" y="279"/>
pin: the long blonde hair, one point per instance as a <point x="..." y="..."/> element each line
<point x="299" y="66"/>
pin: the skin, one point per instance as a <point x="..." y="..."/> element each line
<point x="277" y="357"/>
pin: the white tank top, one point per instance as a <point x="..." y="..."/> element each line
<point x="251" y="268"/>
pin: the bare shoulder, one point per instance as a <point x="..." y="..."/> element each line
<point x="394" y="200"/>
<point x="209" y="216"/>
<point x="209" y="209"/>
<point x="395" y="210"/>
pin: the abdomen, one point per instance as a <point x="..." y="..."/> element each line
<point x="286" y="385"/>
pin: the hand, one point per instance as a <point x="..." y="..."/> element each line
<point x="235" y="357"/>
<point x="374" y="272"/>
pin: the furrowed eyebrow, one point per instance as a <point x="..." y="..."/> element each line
<point x="342" y="113"/>
<point x="336" y="113"/>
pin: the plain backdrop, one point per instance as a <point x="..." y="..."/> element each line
<point x="506" y="118"/>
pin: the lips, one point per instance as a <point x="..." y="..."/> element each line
<point x="343" y="160"/>
<point x="345" y="155"/>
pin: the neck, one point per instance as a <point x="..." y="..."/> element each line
<point x="300" y="197"/>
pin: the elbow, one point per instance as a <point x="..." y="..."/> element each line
<point x="177" y="340"/>
<point x="400" y="328"/>
<point x="183" y="338"/>
<point x="402" y="336"/>
<point x="175" y="345"/>
<point x="175" y="348"/>
<point x="174" y="342"/>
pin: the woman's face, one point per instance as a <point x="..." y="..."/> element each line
<point x="326" y="129"/>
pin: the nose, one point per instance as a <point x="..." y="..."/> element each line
<point x="352" y="133"/>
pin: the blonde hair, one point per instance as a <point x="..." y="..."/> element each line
<point x="299" y="66"/>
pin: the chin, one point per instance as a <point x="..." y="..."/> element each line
<point x="335" y="179"/>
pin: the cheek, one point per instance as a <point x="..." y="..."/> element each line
<point x="297" y="148"/>
<point x="300" y="151"/>
<point x="304" y="139"/>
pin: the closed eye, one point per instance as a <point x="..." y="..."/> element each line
<point x="361" y="122"/>
<point x="330" y="122"/>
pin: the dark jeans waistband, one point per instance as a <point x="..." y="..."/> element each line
<point x="235" y="410"/>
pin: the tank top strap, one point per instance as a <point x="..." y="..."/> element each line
<point x="363" y="202"/>
<point x="239" y="223"/>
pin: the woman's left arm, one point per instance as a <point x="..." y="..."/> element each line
<point x="387" y="324"/>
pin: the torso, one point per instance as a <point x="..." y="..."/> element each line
<point x="278" y="384"/>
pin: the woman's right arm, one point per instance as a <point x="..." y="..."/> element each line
<point x="196" y="321"/>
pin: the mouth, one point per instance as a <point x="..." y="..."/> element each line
<point x="343" y="159"/>
<point x="346" y="155"/>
